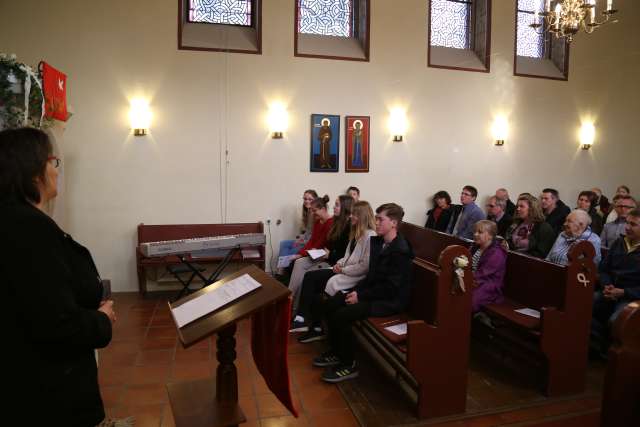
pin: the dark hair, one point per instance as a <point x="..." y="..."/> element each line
<point x="356" y="189"/>
<point x="634" y="213"/>
<point x="552" y="191"/>
<point x="320" y="202"/>
<point x="471" y="189"/>
<point x="592" y="196"/>
<point x="441" y="195"/>
<point x="625" y="188"/>
<point x="23" y="157"/>
<point x="305" y="211"/>
<point x="341" y="222"/>
<point x="392" y="210"/>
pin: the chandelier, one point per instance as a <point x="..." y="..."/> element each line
<point x="569" y="16"/>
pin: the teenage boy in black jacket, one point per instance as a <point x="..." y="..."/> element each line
<point x="620" y="279"/>
<point x="384" y="292"/>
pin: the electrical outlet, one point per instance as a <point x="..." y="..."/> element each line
<point x="278" y="222"/>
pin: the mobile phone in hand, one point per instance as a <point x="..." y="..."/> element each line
<point x="106" y="289"/>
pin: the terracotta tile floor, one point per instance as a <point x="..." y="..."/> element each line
<point x="145" y="355"/>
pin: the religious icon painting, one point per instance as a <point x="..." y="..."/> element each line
<point x="325" y="142"/>
<point x="356" y="144"/>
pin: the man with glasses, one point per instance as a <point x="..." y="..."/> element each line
<point x="619" y="279"/>
<point x="623" y="204"/>
<point x="496" y="212"/>
<point x="464" y="218"/>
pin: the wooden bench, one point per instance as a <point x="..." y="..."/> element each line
<point x="558" y="341"/>
<point x="155" y="233"/>
<point x="432" y="358"/>
<point x="621" y="396"/>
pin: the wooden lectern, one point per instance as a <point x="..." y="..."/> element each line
<point x="215" y="403"/>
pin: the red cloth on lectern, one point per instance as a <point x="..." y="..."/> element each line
<point x="55" y="92"/>
<point x="269" y="340"/>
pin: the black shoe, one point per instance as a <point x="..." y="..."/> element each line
<point x="340" y="373"/>
<point x="326" y="359"/>
<point x="311" y="336"/>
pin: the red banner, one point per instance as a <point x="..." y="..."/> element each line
<point x="55" y="92"/>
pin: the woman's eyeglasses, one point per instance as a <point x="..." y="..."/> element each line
<point x="55" y="161"/>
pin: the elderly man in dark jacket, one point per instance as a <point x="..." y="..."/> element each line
<point x="384" y="291"/>
<point x="620" y="279"/>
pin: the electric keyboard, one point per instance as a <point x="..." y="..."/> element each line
<point x="185" y="246"/>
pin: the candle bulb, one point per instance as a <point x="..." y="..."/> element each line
<point x="558" y="12"/>
<point x="609" y="5"/>
<point x="535" y="17"/>
<point x="592" y="11"/>
<point x="547" y="7"/>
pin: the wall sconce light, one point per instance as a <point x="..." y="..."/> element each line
<point x="278" y="120"/>
<point x="587" y="135"/>
<point x="398" y="124"/>
<point x="500" y="130"/>
<point x="140" y="116"/>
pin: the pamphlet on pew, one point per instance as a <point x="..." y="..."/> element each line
<point x="213" y="300"/>
<point x="285" y="261"/>
<point x="529" y="312"/>
<point x="399" y="329"/>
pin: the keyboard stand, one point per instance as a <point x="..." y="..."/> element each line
<point x="196" y="271"/>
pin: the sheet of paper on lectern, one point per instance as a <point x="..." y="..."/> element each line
<point x="211" y="301"/>
<point x="529" y="312"/>
<point x="316" y="253"/>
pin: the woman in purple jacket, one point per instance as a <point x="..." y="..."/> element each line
<point x="489" y="263"/>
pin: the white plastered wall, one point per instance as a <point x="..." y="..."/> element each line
<point x="205" y="103"/>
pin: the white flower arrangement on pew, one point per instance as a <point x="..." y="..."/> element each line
<point x="460" y="263"/>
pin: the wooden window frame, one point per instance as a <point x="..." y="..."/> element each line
<point x="256" y="27"/>
<point x="486" y="61"/>
<point x="547" y="55"/>
<point x="361" y="37"/>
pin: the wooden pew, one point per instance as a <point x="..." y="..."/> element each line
<point x="155" y="233"/>
<point x="558" y="340"/>
<point x="621" y="396"/>
<point x="432" y="358"/>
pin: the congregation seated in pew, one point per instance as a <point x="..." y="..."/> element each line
<point x="489" y="264"/>
<point x="330" y="233"/>
<point x="439" y="216"/>
<point x="383" y="292"/>
<point x="496" y="212"/>
<point x="614" y="229"/>
<point x="619" y="279"/>
<point x="466" y="215"/>
<point x="555" y="210"/>
<point x="576" y="228"/>
<point x="530" y="233"/>
<point x="345" y="274"/>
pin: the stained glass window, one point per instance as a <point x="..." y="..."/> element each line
<point x="529" y="42"/>
<point x="450" y="21"/>
<point x="326" y="17"/>
<point x="233" y="12"/>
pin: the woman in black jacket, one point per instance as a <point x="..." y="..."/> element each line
<point x="438" y="217"/>
<point x="53" y="317"/>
